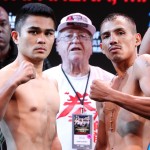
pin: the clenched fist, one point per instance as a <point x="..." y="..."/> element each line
<point x="24" y="72"/>
<point x="99" y="90"/>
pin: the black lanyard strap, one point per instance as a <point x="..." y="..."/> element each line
<point x="81" y="101"/>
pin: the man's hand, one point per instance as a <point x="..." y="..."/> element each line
<point x="24" y="73"/>
<point x="99" y="90"/>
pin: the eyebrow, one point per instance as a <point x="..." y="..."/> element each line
<point x="117" y="29"/>
<point x="38" y="28"/>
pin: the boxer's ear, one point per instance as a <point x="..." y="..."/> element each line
<point x="101" y="47"/>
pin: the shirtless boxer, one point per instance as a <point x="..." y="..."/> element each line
<point x="29" y="101"/>
<point x="123" y="124"/>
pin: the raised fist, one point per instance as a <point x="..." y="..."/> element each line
<point x="24" y="72"/>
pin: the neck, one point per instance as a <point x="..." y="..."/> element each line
<point x="76" y="70"/>
<point x="4" y="53"/>
<point x="124" y="65"/>
<point x="122" y="69"/>
<point x="37" y="65"/>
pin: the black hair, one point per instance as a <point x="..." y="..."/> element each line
<point x="35" y="9"/>
<point x="113" y="16"/>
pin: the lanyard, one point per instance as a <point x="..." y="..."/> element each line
<point x="81" y="101"/>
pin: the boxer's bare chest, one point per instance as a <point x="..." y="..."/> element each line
<point x="123" y="121"/>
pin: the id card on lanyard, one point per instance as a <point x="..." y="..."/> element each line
<point x="82" y="131"/>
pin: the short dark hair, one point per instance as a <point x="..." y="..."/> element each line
<point x="35" y="9"/>
<point x="113" y="16"/>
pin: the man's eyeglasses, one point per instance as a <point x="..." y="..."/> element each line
<point x="71" y="37"/>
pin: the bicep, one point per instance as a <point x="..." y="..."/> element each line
<point x="144" y="85"/>
<point x="142" y="73"/>
<point x="145" y="45"/>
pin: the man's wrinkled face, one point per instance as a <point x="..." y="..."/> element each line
<point x="74" y="45"/>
